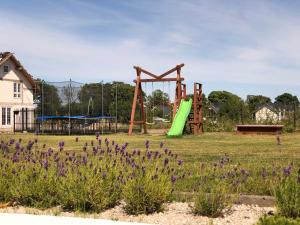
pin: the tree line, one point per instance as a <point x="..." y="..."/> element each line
<point x="116" y="98"/>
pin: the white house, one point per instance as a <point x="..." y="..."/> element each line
<point x="267" y="113"/>
<point x="16" y="94"/>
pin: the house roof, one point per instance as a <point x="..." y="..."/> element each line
<point x="4" y="56"/>
<point x="268" y="106"/>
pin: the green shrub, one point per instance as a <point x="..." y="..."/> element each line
<point x="213" y="202"/>
<point x="89" y="190"/>
<point x="287" y="195"/>
<point x="34" y="188"/>
<point x="278" y="220"/>
<point x="146" y="194"/>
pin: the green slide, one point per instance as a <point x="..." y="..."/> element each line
<point x="180" y="118"/>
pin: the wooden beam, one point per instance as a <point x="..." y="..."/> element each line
<point x="159" y="80"/>
<point x="171" y="70"/>
<point x="145" y="72"/>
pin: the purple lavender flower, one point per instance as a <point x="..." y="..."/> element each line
<point x="97" y="135"/>
<point x="287" y="170"/>
<point x="166" y="150"/>
<point x="18" y="146"/>
<point x="104" y="175"/>
<point x="173" y="179"/>
<point x="11" y="141"/>
<point x="134" y="152"/>
<point x="166" y="161"/>
<point x="180" y="162"/>
<point x="264" y="173"/>
<point x="161" y="144"/>
<point x="147" y="144"/>
<point x="45" y="164"/>
<point x="84" y="160"/>
<point x="149" y="155"/>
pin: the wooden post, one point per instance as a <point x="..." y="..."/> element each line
<point x="142" y="109"/>
<point x="200" y="118"/>
<point x="136" y="91"/>
<point x="195" y="109"/>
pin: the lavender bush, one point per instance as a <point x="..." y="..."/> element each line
<point x="91" y="180"/>
<point x="213" y="201"/>
<point x="287" y="194"/>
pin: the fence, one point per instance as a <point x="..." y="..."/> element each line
<point x="74" y="108"/>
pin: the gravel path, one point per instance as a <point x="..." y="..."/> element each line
<point x="175" y="214"/>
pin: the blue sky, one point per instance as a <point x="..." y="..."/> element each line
<point x="246" y="47"/>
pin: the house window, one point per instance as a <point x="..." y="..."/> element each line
<point x="17" y="90"/>
<point x="6" y="116"/>
<point x="5" y="69"/>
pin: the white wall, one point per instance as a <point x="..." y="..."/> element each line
<point x="265" y="114"/>
<point x="7" y="98"/>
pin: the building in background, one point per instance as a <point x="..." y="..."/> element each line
<point x="16" y="95"/>
<point x="267" y="114"/>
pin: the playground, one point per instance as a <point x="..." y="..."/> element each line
<point x="75" y="108"/>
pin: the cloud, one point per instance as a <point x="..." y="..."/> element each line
<point x="249" y="43"/>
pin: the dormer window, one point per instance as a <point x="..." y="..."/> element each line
<point x="5" y="69"/>
<point x="17" y="90"/>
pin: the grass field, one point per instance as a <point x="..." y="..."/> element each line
<point x="257" y="154"/>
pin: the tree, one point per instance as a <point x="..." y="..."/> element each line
<point x="286" y="101"/>
<point x="49" y="100"/>
<point x="125" y="94"/>
<point x="231" y="106"/>
<point x="157" y="103"/>
<point x="90" y="99"/>
<point x="255" y="101"/>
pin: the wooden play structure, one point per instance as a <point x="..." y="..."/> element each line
<point x="195" y="117"/>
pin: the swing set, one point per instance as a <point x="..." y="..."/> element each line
<point x="194" y="119"/>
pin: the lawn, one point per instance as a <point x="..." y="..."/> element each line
<point x="209" y="156"/>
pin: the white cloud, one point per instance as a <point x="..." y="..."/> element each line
<point x="239" y="44"/>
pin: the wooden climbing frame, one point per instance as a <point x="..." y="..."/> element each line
<point x="195" y="117"/>
<point x="138" y="93"/>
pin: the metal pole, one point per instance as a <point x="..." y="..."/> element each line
<point x="102" y="106"/>
<point x="42" y="99"/>
<point x="295" y="123"/>
<point x="116" y="108"/>
<point x="69" y="99"/>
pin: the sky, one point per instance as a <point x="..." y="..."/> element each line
<point x="245" y="47"/>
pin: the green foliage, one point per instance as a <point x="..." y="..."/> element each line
<point x="146" y="194"/>
<point x="287" y="195"/>
<point x="157" y="105"/>
<point x="255" y="101"/>
<point x="90" y="180"/>
<point x="34" y="187"/>
<point x="230" y="105"/>
<point x="286" y="101"/>
<point x="213" y="201"/>
<point x="125" y="94"/>
<point x="88" y="190"/>
<point x="278" y="220"/>
<point x="51" y="100"/>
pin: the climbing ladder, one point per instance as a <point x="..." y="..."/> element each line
<point x="195" y="121"/>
